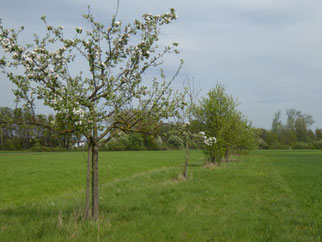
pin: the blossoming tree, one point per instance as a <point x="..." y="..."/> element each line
<point x="111" y="94"/>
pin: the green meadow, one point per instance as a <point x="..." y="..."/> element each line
<point x="265" y="196"/>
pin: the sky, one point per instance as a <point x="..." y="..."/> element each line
<point x="267" y="53"/>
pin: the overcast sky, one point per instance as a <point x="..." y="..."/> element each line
<point x="268" y="53"/>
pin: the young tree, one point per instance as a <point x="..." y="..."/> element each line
<point x="277" y="125"/>
<point x="191" y="98"/>
<point x="237" y="134"/>
<point x="213" y="113"/>
<point x="94" y="100"/>
<point x="224" y="127"/>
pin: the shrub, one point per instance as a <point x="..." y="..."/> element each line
<point x="175" y="142"/>
<point x="278" y="146"/>
<point x="317" y="144"/>
<point x="301" y="145"/>
<point x="262" y="144"/>
<point x="135" y="142"/>
<point x="116" y="144"/>
<point x="155" y="143"/>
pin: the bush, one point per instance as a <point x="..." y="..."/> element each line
<point x="38" y="148"/>
<point x="193" y="144"/>
<point x="135" y="142"/>
<point x="175" y="142"/>
<point x="9" y="145"/>
<point x="262" y="144"/>
<point x="155" y="143"/>
<point x="116" y="144"/>
<point x="317" y="144"/>
<point x="278" y="146"/>
<point x="301" y="145"/>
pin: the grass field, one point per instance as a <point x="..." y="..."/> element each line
<point x="267" y="196"/>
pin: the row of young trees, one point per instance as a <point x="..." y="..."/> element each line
<point x="295" y="133"/>
<point x="16" y="134"/>
<point x="111" y="96"/>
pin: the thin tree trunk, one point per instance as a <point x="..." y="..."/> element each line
<point x="1" y="136"/>
<point x="227" y="154"/>
<point x="95" y="197"/>
<point x="213" y="160"/>
<point x="185" y="173"/>
<point x="88" y="179"/>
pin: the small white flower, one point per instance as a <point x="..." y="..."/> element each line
<point x="117" y="23"/>
<point x="54" y="101"/>
<point x="103" y="65"/>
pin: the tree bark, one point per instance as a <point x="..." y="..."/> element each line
<point x="88" y="179"/>
<point x="95" y="196"/>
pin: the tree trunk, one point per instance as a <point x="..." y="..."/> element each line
<point x="95" y="197"/>
<point x="213" y="160"/>
<point x="88" y="179"/>
<point x="185" y="173"/>
<point x="227" y="154"/>
<point x="1" y="136"/>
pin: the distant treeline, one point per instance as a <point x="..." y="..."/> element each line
<point x="296" y="133"/>
<point x="16" y="134"/>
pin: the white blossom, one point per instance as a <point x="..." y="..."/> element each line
<point x="209" y="141"/>
<point x="117" y="23"/>
<point x="79" y="112"/>
<point x="54" y="101"/>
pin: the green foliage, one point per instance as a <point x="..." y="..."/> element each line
<point x="318" y="134"/>
<point x="296" y="133"/>
<point x="154" y="143"/>
<point x="175" y="142"/>
<point x="135" y="142"/>
<point x="218" y="117"/>
<point x="17" y="133"/>
<point x="278" y="146"/>
<point x="301" y="145"/>
<point x="317" y="144"/>
<point x="119" y="143"/>
<point x="262" y="144"/>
